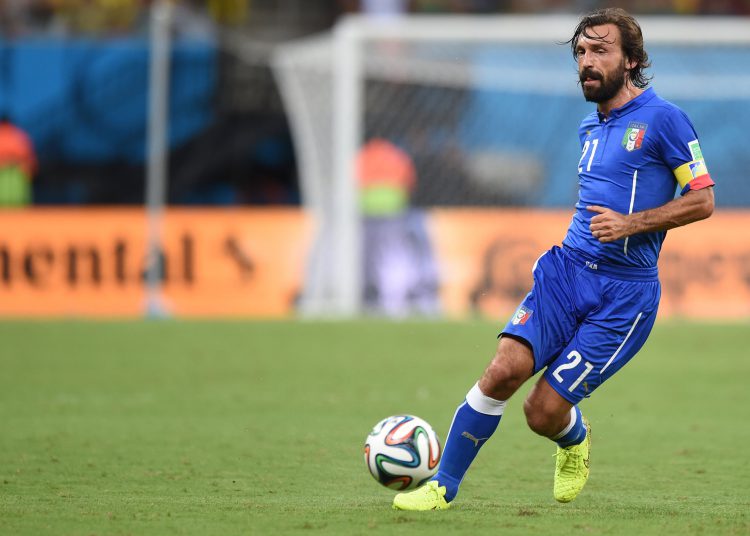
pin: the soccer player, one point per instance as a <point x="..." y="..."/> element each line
<point x="594" y="299"/>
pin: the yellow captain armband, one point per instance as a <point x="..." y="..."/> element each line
<point x="690" y="171"/>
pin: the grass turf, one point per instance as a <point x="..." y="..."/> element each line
<point x="257" y="428"/>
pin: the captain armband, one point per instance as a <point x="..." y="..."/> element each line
<point x="693" y="176"/>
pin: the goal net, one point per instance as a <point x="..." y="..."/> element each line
<point x="486" y="110"/>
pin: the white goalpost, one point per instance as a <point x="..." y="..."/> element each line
<point x="487" y="107"/>
<point x="157" y="152"/>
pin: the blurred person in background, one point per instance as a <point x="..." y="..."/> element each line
<point x="594" y="299"/>
<point x="17" y="165"/>
<point x="400" y="274"/>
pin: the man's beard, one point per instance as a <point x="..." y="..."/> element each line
<point x="608" y="87"/>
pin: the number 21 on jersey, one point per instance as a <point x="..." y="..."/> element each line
<point x="593" y="144"/>
<point x="575" y="359"/>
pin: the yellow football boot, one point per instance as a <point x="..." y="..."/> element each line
<point x="431" y="496"/>
<point x="572" y="468"/>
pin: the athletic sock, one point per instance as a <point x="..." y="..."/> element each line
<point x="473" y="424"/>
<point x="574" y="433"/>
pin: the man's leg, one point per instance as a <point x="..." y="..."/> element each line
<point x="550" y="415"/>
<point x="602" y="345"/>
<point x="473" y="424"/>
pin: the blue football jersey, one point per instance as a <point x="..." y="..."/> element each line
<point x="631" y="161"/>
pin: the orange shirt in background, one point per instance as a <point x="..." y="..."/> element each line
<point x="16" y="149"/>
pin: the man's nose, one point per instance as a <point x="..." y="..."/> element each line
<point x="585" y="59"/>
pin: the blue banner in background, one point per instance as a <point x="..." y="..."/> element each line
<point x="86" y="100"/>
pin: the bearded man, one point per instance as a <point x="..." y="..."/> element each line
<point x="594" y="298"/>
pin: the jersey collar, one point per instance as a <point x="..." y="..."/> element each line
<point x="629" y="106"/>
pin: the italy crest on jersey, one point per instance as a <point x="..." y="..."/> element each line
<point x="634" y="134"/>
<point x="521" y="315"/>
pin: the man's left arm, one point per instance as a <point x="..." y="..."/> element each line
<point x="608" y="225"/>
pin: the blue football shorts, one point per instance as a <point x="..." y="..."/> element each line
<point x="584" y="320"/>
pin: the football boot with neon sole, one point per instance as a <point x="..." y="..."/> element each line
<point x="572" y="468"/>
<point x="431" y="496"/>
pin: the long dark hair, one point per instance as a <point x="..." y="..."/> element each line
<point x="631" y="38"/>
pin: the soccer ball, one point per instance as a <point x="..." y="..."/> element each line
<point x="402" y="452"/>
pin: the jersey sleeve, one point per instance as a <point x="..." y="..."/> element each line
<point x="682" y="152"/>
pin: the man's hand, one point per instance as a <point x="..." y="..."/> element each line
<point x="608" y="225"/>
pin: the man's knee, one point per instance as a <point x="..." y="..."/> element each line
<point x="501" y="374"/>
<point x="547" y="413"/>
<point x="512" y="365"/>
<point x="540" y="419"/>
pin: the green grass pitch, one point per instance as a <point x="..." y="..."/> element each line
<point x="165" y="427"/>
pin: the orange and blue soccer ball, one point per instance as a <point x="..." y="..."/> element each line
<point x="402" y="452"/>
